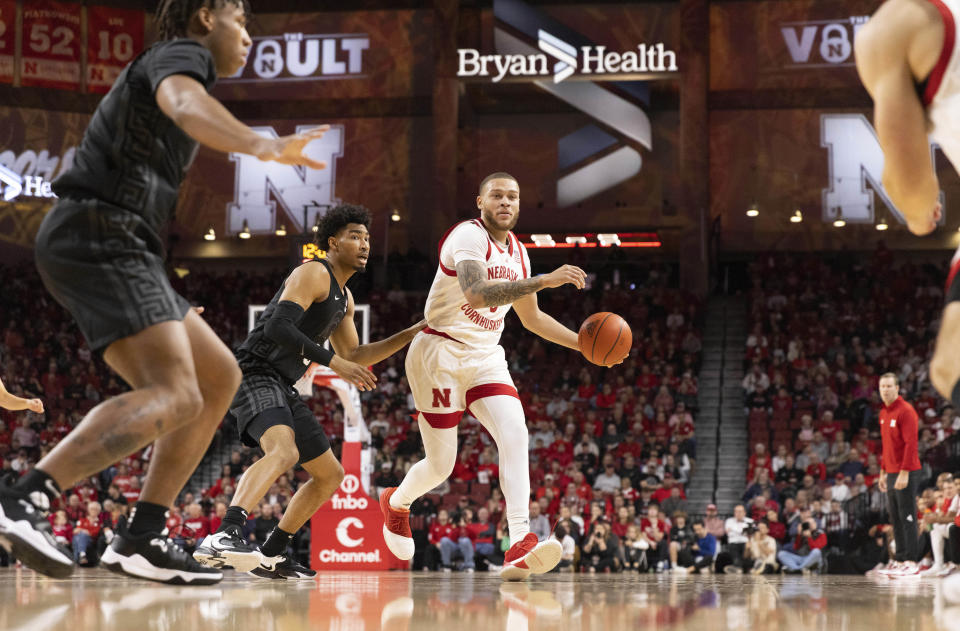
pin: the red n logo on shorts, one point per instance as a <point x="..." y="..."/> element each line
<point x="441" y="398"/>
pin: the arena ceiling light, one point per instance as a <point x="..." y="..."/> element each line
<point x="592" y="240"/>
<point x="608" y="239"/>
<point x="210" y="235"/>
<point x="839" y="223"/>
<point x="882" y="225"/>
<point x="395" y="216"/>
<point x="281" y="231"/>
<point x="753" y="211"/>
<point x="796" y="217"/>
<point x="245" y="232"/>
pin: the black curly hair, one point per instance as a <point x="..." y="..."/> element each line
<point x="337" y="218"/>
<point x="173" y="16"/>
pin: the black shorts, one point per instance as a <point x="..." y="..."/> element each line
<point x="105" y="266"/>
<point x="264" y="401"/>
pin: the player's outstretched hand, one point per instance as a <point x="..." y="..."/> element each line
<point x="358" y="375"/>
<point x="289" y="149"/>
<point x="35" y="405"/>
<point x="928" y="224"/>
<point x="565" y="274"/>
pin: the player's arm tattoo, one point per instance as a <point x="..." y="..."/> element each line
<point x="471" y="274"/>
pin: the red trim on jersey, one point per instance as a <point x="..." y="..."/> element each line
<point x="430" y="331"/>
<point x="949" y="38"/>
<point x="954" y="268"/>
<point x="490" y="390"/>
<point x="444" y="420"/>
<point x="443" y="268"/>
<point x="510" y="240"/>
<point x="522" y="251"/>
<point x="446" y="270"/>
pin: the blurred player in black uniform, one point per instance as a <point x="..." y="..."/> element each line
<point x="100" y="254"/>
<point x="313" y="305"/>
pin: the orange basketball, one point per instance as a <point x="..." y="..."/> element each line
<point x="605" y="338"/>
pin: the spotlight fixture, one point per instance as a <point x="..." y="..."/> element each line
<point x="281" y="231"/>
<point x="882" y="225"/>
<point x="245" y="232"/>
<point x="839" y="223"/>
<point x="753" y="211"/>
<point x="210" y="235"/>
<point x="796" y="217"/>
<point x="395" y="216"/>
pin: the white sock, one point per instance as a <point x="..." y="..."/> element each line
<point x="502" y="416"/>
<point x="440" y="446"/>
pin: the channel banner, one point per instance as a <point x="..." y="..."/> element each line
<point x="785" y="45"/>
<point x="51" y="45"/>
<point x="8" y="39"/>
<point x="114" y="37"/>
<point x="347" y="531"/>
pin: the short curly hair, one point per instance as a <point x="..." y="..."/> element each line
<point x="336" y="220"/>
<point x="173" y="16"/>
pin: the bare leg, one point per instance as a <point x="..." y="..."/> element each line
<point x="158" y="363"/>
<point x="177" y="454"/>
<point x="945" y="364"/>
<point x="281" y="454"/>
<point x="326" y="474"/>
<point x="673" y="550"/>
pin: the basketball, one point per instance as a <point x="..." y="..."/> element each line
<point x="604" y="338"/>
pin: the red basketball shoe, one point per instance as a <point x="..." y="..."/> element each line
<point x="530" y="556"/>
<point x="396" y="527"/>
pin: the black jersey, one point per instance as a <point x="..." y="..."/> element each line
<point x="319" y="321"/>
<point x="132" y="155"/>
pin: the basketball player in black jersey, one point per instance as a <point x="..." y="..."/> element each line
<point x="313" y="305"/>
<point x="100" y="254"/>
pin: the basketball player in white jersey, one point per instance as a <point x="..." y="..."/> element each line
<point x="457" y="363"/>
<point x="908" y="61"/>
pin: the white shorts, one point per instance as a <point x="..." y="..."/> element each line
<point x="446" y="376"/>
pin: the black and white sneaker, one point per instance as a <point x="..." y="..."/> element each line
<point x="282" y="567"/>
<point x="26" y="533"/>
<point x="227" y="548"/>
<point x="156" y="558"/>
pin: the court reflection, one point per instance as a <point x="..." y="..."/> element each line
<point x="399" y="601"/>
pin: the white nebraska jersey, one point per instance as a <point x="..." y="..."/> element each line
<point x="941" y="96"/>
<point x="447" y="310"/>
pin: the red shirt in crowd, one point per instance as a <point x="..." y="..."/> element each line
<point x="65" y="531"/>
<point x="815" y="543"/>
<point x="91" y="526"/>
<point x="438" y="531"/>
<point x="481" y="532"/>
<point x="898" y="434"/>
<point x="818" y="471"/>
<point x="648" y="527"/>
<point x="463" y="472"/>
<point x="199" y="526"/>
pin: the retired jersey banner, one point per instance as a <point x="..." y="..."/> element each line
<point x="114" y="37"/>
<point x="8" y="38"/>
<point x="51" y="45"/>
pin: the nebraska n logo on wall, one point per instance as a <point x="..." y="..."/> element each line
<point x="267" y="194"/>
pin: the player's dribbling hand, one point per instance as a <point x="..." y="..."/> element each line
<point x="35" y="405"/>
<point x="565" y="274"/>
<point x="358" y="375"/>
<point x="289" y="149"/>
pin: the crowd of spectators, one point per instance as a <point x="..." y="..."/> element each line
<point x="607" y="446"/>
<point x="822" y="332"/>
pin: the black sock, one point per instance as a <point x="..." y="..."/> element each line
<point x="276" y="543"/>
<point x="147" y="517"/>
<point x="236" y="518"/>
<point x="36" y="480"/>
